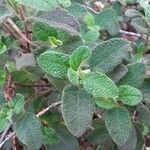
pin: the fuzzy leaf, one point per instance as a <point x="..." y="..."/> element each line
<point x="2" y="76"/>
<point x="118" y="124"/>
<point x="78" y="56"/>
<point x="77" y="10"/>
<point x="129" y="95"/>
<point x="60" y="19"/>
<point x="89" y="19"/>
<point x="99" y="85"/>
<point x="42" y="31"/>
<point x="144" y="114"/>
<point x="105" y="18"/>
<point x="38" y="4"/>
<point x="54" y="63"/>
<point x="140" y="25"/>
<point x="133" y="13"/>
<point x="73" y="76"/>
<point x="50" y="136"/>
<point x="28" y="130"/>
<point x="105" y="103"/>
<point x="18" y="103"/>
<point x="118" y="73"/>
<point x="131" y="142"/>
<point x="134" y="76"/>
<point x="77" y="109"/>
<point x="109" y="54"/>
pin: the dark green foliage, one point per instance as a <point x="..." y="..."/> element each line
<point x="74" y="74"/>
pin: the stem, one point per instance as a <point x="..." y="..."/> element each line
<point x="130" y="33"/>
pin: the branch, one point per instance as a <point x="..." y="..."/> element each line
<point x="7" y="138"/>
<point x="48" y="108"/>
<point x="130" y="33"/>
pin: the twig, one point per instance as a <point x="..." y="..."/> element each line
<point x="7" y="138"/>
<point x="48" y="108"/>
<point x="130" y="33"/>
<point x="4" y="133"/>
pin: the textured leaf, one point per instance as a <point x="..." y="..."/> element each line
<point x="105" y="18"/>
<point x="77" y="109"/>
<point x="133" y="13"/>
<point x="54" y="63"/>
<point x="131" y="142"/>
<point x="68" y="141"/>
<point x="118" y="124"/>
<point x="18" y="103"/>
<point x="38" y="4"/>
<point x="60" y="19"/>
<point x="140" y="25"/>
<point x="147" y="13"/>
<point x="100" y="135"/>
<point x="99" y="85"/>
<point x="109" y="54"/>
<point x="3" y="119"/>
<point x="2" y="76"/>
<point x="2" y="48"/>
<point x="113" y="28"/>
<point x="50" y="136"/>
<point x="73" y="76"/>
<point x="42" y="31"/>
<point x="64" y="3"/>
<point x="118" y="73"/>
<point x="78" y="56"/>
<point x="129" y="95"/>
<point x="5" y="12"/>
<point x="135" y="75"/>
<point x="77" y="10"/>
<point x="28" y="130"/>
<point x="144" y="114"/>
<point x="89" y="19"/>
<point x="105" y="103"/>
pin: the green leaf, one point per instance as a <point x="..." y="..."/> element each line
<point x="105" y="18"/>
<point x="5" y="13"/>
<point x="60" y="19"/>
<point x="147" y="13"/>
<point x="118" y="73"/>
<point x="99" y="85"/>
<point x="91" y="36"/>
<point x="100" y="135"/>
<point x="89" y="19"/>
<point x="2" y="48"/>
<point x="144" y="114"/>
<point x="78" y="56"/>
<point x="135" y="75"/>
<point x="55" y="42"/>
<point x="3" y="119"/>
<point x="140" y="25"/>
<point x="105" y="103"/>
<point x="50" y="136"/>
<point x="67" y="140"/>
<point x="43" y="31"/>
<point x="129" y="95"/>
<point x="18" y="103"/>
<point x="54" y="63"/>
<point x="133" y="13"/>
<point x="77" y="10"/>
<point x="73" y="76"/>
<point x="77" y="109"/>
<point x="2" y="76"/>
<point x="65" y="3"/>
<point x="28" y="130"/>
<point x="109" y="54"/>
<point x="118" y="124"/>
<point x="131" y="142"/>
<point x="37" y="4"/>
